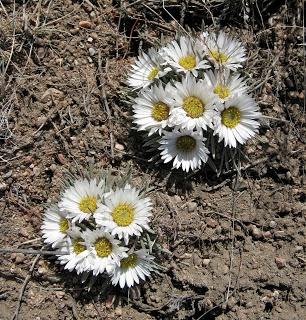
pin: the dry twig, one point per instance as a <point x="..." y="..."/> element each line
<point x="31" y="251"/>
<point x="22" y="290"/>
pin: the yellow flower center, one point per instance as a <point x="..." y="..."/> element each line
<point x="230" y="117"/>
<point x="77" y="246"/>
<point x="222" y="91"/>
<point x="63" y="225"/>
<point x="129" y="262"/>
<point x="186" y="143"/>
<point x="88" y="204"/>
<point x="188" y="62"/>
<point x="153" y="73"/>
<point x="123" y="214"/>
<point x="160" y="111"/>
<point x="218" y="56"/>
<point x="193" y="106"/>
<point x="103" y="247"/>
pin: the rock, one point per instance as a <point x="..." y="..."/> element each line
<point x="74" y="31"/>
<point x="92" y="51"/>
<point x="60" y="294"/>
<point x="280" y="262"/>
<point x="90" y="39"/>
<point x="20" y="257"/>
<point x="257" y="234"/>
<point x="85" y="24"/>
<point x="119" y="146"/>
<point x="279" y="234"/>
<point x="267" y="235"/>
<point x="53" y="167"/>
<point x="206" y="262"/>
<point x="192" y="206"/>
<point x="272" y="224"/>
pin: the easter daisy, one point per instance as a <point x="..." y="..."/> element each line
<point x="103" y="251"/>
<point x="82" y="199"/>
<point x="132" y="269"/>
<point x="223" y="50"/>
<point x="147" y="68"/>
<point x="225" y="85"/>
<point x="55" y="226"/>
<point x="152" y="109"/>
<point x="237" y="120"/>
<point x="77" y="255"/>
<point x="194" y="104"/>
<point x="185" y="147"/>
<point x="184" y="56"/>
<point x="125" y="213"/>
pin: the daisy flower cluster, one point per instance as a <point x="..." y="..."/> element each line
<point x="96" y="231"/>
<point x="190" y="92"/>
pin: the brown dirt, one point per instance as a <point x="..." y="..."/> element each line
<point x="236" y="250"/>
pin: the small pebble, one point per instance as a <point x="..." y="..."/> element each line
<point x="119" y="146"/>
<point x="53" y="167"/>
<point x="257" y="234"/>
<point x="272" y="224"/>
<point x="59" y="294"/>
<point x="85" y="24"/>
<point x="90" y="40"/>
<point x="206" y="262"/>
<point x="267" y="234"/>
<point x="74" y="31"/>
<point x="92" y="51"/>
<point x="280" y="262"/>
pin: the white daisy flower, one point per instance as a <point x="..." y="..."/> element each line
<point x="103" y="251"/>
<point x="225" y="85"/>
<point x="237" y="120"/>
<point x="152" y="109"/>
<point x="125" y="213"/>
<point x="146" y="69"/>
<point x="184" y="56"/>
<point x="82" y="199"/>
<point x="77" y="257"/>
<point x="223" y="50"/>
<point x="55" y="226"/>
<point x="132" y="269"/>
<point x="195" y="104"/>
<point x="185" y="147"/>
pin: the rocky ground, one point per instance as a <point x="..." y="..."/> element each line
<point x="233" y="246"/>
